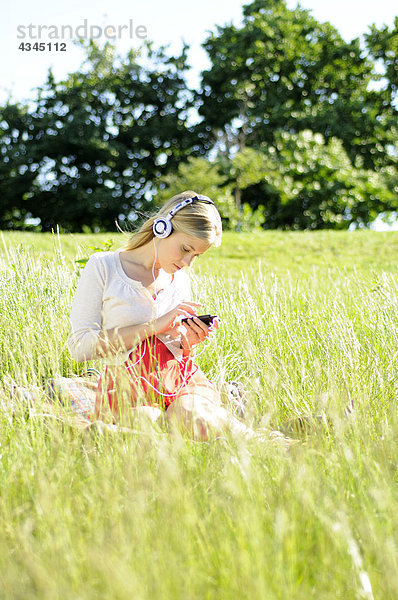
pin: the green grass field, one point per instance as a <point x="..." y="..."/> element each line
<point x="309" y="324"/>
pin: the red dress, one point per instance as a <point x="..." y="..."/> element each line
<point x="155" y="380"/>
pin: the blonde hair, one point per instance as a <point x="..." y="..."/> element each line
<point x="199" y="219"/>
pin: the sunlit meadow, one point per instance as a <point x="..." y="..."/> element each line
<point x="309" y="326"/>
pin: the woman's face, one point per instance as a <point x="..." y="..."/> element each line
<point x="179" y="250"/>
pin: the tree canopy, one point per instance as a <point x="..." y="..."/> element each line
<point x="291" y="124"/>
<point x="95" y="144"/>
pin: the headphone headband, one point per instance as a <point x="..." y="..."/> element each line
<point x="162" y="226"/>
<point x="186" y="202"/>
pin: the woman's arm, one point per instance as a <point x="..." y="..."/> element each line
<point x="87" y="339"/>
<point x="85" y="320"/>
<point x="110" y="341"/>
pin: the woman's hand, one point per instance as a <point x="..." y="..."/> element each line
<point x="173" y="318"/>
<point x="196" y="331"/>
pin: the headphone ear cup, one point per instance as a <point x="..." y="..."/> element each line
<point x="162" y="228"/>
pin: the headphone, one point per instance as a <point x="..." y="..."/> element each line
<point x="162" y="226"/>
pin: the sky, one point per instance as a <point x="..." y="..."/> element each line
<point x="171" y="23"/>
<point x="164" y="22"/>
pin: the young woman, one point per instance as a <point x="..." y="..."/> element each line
<point x="127" y="310"/>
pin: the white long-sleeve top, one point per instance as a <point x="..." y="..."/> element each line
<point x="106" y="298"/>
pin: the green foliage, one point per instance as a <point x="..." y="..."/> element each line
<point x="15" y="177"/>
<point x="282" y="70"/>
<point x="85" y="154"/>
<point x="304" y="182"/>
<point x="383" y="46"/>
<point x="201" y="174"/>
<point x="249" y="219"/>
<point x="300" y="124"/>
<point x="311" y="184"/>
<point x="107" y="245"/>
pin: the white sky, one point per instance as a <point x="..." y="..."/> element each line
<point x="166" y="23"/>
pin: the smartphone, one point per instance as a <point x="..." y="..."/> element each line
<point x="207" y="319"/>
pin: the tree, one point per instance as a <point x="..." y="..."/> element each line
<point x="383" y="46"/>
<point x="206" y="177"/>
<point x="95" y="144"/>
<point x="203" y="176"/>
<point x="284" y="71"/>
<point x="17" y="167"/>
<point x="305" y="182"/>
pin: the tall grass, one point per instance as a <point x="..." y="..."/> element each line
<point x="85" y="515"/>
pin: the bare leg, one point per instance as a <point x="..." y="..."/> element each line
<point x="151" y="414"/>
<point x="204" y="418"/>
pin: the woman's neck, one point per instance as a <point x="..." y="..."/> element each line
<point x="144" y="256"/>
